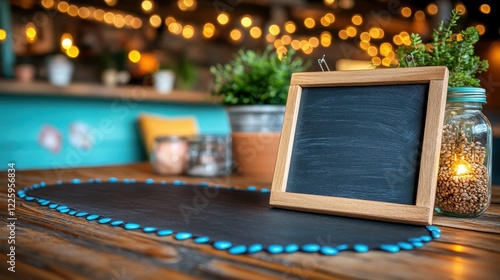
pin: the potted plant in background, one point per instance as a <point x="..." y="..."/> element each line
<point x="464" y="178"/>
<point x="164" y="78"/>
<point x="254" y="87"/>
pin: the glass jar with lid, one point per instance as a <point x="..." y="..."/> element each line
<point x="169" y="155"/>
<point x="464" y="178"/>
<point x="209" y="155"/>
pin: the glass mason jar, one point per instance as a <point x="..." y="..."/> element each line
<point x="209" y="156"/>
<point x="464" y="178"/>
<point x="169" y="155"/>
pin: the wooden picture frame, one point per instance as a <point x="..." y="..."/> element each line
<point x="312" y="102"/>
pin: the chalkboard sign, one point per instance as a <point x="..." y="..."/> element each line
<point x="362" y="143"/>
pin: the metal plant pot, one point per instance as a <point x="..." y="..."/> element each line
<point x="256" y="118"/>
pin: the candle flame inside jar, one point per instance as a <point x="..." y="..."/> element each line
<point x="461" y="168"/>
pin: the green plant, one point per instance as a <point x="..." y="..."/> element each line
<point x="254" y="77"/>
<point x="456" y="51"/>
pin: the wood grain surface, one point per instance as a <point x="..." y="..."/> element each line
<point x="50" y="245"/>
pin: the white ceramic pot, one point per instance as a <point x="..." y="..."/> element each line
<point x="60" y="70"/>
<point x="109" y="77"/>
<point x="163" y="81"/>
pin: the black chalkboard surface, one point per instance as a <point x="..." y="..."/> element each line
<point x="362" y="143"/>
<point x="354" y="142"/>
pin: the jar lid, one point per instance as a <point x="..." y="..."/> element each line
<point x="466" y="94"/>
<point x="170" y="138"/>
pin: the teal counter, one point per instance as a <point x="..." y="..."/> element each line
<point x="52" y="128"/>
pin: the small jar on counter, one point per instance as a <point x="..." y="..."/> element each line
<point x="169" y="155"/>
<point x="209" y="156"/>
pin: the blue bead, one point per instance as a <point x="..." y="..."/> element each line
<point x="237" y="250"/>
<point x="435" y="234"/>
<point x="21" y="195"/>
<point x="251" y="188"/>
<point x="149" y="229"/>
<point x="112" y="180"/>
<point x="126" y="181"/>
<point x="425" y="238"/>
<point x="104" y="220"/>
<point x="43" y="184"/>
<point x="131" y="226"/>
<point x="163" y="182"/>
<point x="20" y="191"/>
<point x="92" y="217"/>
<point x="389" y="248"/>
<point x="64" y="210"/>
<point x="414" y="239"/>
<point x="265" y="190"/>
<point x="417" y="244"/>
<point x="329" y="251"/>
<point x="342" y="247"/>
<point x="275" y="249"/>
<point x="61" y="207"/>
<point x="310" y="248"/>
<point x="81" y="214"/>
<point x="36" y="186"/>
<point x="177" y="182"/>
<point x="53" y="205"/>
<point x="40" y="200"/>
<point x="254" y="248"/>
<point x="29" y="198"/>
<point x="164" y="232"/>
<point x="90" y="180"/>
<point x="59" y="182"/>
<point x="76" y="181"/>
<point x="201" y="239"/>
<point x="405" y="245"/>
<point x="97" y="180"/>
<point x="45" y="203"/>
<point x="117" y="223"/>
<point x="222" y="245"/>
<point x="434" y="228"/>
<point x="72" y="212"/>
<point x="361" y="248"/>
<point x="204" y="184"/>
<point x="290" y="248"/>
<point x="150" y="181"/>
<point x="183" y="235"/>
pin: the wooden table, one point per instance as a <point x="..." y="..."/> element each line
<point x="50" y="245"/>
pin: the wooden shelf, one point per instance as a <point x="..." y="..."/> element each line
<point x="88" y="90"/>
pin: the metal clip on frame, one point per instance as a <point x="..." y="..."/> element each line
<point x="322" y="62"/>
<point x="410" y="60"/>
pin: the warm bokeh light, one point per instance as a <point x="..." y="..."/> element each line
<point x="419" y="15"/>
<point x="295" y="44"/>
<point x="223" y="18"/>
<point x="485" y="9"/>
<point x="66" y="41"/>
<point x="111" y="2"/>
<point x="372" y="51"/>
<point x="134" y="56"/>
<point x="432" y="9"/>
<point x="270" y="38"/>
<point x="147" y="5"/>
<point x="3" y="35"/>
<point x="188" y="31"/>
<point x="119" y="21"/>
<point x="343" y="34"/>
<point x="286" y="39"/>
<point x="236" y="35"/>
<point x="481" y="29"/>
<point x="364" y="45"/>
<point x="365" y="36"/>
<point x="99" y="15"/>
<point x="73" y="52"/>
<point x="376" y="61"/>
<point x="73" y="10"/>
<point x="155" y="20"/>
<point x="309" y="22"/>
<point x="208" y="30"/>
<point x="461" y="7"/>
<point x="274" y="29"/>
<point x="187" y="5"/>
<point x="314" y="42"/>
<point x="397" y="39"/>
<point x="31" y="32"/>
<point x="357" y="19"/>
<point x="385" y="49"/>
<point x="63" y="6"/>
<point x="175" y="28"/>
<point x="169" y="20"/>
<point x="84" y="12"/>
<point x="47" y="4"/>
<point x="255" y="32"/>
<point x="109" y="17"/>
<point x="277" y="43"/>
<point x="376" y="33"/>
<point x="328" y="2"/>
<point x="246" y="21"/>
<point x="406" y="12"/>
<point x="351" y="31"/>
<point x="290" y="27"/>
<point x="136" y="23"/>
